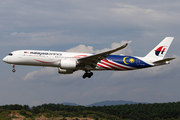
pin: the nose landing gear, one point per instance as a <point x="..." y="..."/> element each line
<point x="13" y="68"/>
<point x="87" y="74"/>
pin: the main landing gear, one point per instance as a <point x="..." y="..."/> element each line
<point x="13" y="68"/>
<point x="87" y="74"/>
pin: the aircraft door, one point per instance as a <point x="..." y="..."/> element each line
<point x="20" y="55"/>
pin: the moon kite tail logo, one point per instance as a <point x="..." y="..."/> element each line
<point x="160" y="50"/>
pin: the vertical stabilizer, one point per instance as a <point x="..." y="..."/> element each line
<point x="160" y="50"/>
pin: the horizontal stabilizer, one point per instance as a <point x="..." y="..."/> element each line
<point x="163" y="60"/>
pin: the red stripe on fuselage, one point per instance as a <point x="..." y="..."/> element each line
<point x="117" y="65"/>
<point x="43" y="61"/>
<point x="111" y="66"/>
<point x="103" y="66"/>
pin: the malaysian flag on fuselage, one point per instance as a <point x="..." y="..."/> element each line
<point x="25" y="52"/>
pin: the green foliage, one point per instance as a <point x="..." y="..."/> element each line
<point x="5" y="115"/>
<point x="23" y="112"/>
<point x="28" y="114"/>
<point x="1" y="110"/>
<point x="64" y="118"/>
<point x="156" y="111"/>
<point x="48" y="115"/>
<point x="95" y="117"/>
<point x="85" y="114"/>
<point x="35" y="110"/>
<point x="26" y="107"/>
<point x="42" y="110"/>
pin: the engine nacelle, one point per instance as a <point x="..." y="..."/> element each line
<point x="65" y="71"/>
<point x="68" y="64"/>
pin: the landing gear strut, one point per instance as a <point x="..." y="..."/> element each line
<point x="13" y="68"/>
<point x="87" y="74"/>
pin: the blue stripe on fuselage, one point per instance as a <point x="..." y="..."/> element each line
<point x="128" y="61"/>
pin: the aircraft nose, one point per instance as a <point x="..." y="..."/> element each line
<point x="5" y="59"/>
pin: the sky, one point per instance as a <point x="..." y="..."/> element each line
<point x="90" y="26"/>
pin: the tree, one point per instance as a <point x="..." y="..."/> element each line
<point x="64" y="118"/>
<point x="23" y="112"/>
<point x="35" y="110"/>
<point x="26" y="107"/>
<point x="42" y="110"/>
<point x="84" y="114"/>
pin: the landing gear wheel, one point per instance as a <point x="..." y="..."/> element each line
<point x="87" y="74"/>
<point x="13" y="70"/>
<point x="90" y="74"/>
<point x="84" y="76"/>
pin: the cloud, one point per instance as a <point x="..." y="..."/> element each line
<point x="81" y="48"/>
<point x="46" y="72"/>
<point x="50" y="23"/>
<point x="45" y="38"/>
<point x="142" y="15"/>
<point x="89" y="49"/>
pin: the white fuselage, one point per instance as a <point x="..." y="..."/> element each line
<point x="40" y="58"/>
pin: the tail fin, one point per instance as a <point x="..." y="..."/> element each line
<point x="160" y="50"/>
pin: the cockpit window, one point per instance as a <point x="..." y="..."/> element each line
<point x="10" y="54"/>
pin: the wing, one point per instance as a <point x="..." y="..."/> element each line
<point x="91" y="61"/>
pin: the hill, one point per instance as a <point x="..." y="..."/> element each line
<point x="102" y="103"/>
<point x="72" y="104"/>
<point x="109" y="103"/>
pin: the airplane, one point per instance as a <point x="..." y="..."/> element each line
<point x="69" y="62"/>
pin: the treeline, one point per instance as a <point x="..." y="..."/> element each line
<point x="156" y="111"/>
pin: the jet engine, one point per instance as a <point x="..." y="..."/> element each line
<point x="68" y="64"/>
<point x="65" y="71"/>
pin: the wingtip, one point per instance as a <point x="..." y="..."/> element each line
<point x="169" y="38"/>
<point x="128" y="42"/>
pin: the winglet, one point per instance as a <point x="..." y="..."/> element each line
<point x="119" y="48"/>
<point x="128" y="42"/>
